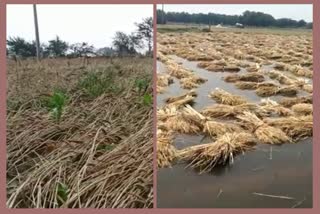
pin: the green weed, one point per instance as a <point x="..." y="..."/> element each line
<point x="62" y="193"/>
<point x="96" y="83"/>
<point x="142" y="85"/>
<point x="147" y="99"/>
<point x="56" y="104"/>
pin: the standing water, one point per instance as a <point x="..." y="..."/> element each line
<point x="284" y="170"/>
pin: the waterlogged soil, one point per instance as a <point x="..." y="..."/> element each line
<point x="284" y="170"/>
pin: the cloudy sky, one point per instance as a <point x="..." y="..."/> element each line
<point x="95" y="24"/>
<point x="293" y="11"/>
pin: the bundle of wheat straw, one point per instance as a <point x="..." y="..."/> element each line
<point x="223" y="97"/>
<point x="182" y="124"/>
<point x="302" y="109"/>
<point x="244" y="85"/>
<point x="214" y="128"/>
<point x="272" y="106"/>
<point x="178" y="71"/>
<point x="288" y="102"/>
<point x="248" y="77"/>
<point x="181" y="100"/>
<point x="297" y="127"/>
<point x="227" y="111"/>
<point x="270" y="90"/>
<point x="163" y="80"/>
<point x="166" y="152"/>
<point x="263" y="132"/>
<point x="206" y="157"/>
<point x="191" y="82"/>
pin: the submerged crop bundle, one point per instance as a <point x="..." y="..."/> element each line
<point x="248" y="77"/>
<point x="223" y="97"/>
<point x="297" y="127"/>
<point x="166" y="152"/>
<point x="228" y="111"/>
<point x="206" y="157"/>
<point x="263" y="132"/>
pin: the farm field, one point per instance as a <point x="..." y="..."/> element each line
<point x="79" y="133"/>
<point x="234" y="112"/>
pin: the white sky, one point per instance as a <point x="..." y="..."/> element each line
<point x="293" y="11"/>
<point x="95" y="24"/>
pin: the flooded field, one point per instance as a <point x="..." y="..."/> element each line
<point x="269" y="175"/>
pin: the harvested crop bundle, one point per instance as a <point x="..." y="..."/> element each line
<point x="283" y="79"/>
<point x="218" y="66"/>
<point x="249" y="77"/>
<point x="297" y="127"/>
<point x="163" y="80"/>
<point x="302" y="109"/>
<point x="254" y="68"/>
<point x="187" y="98"/>
<point x="308" y="88"/>
<point x="272" y="106"/>
<point x="270" y="90"/>
<point x="223" y="97"/>
<point x="166" y="152"/>
<point x="214" y="128"/>
<point x="166" y="112"/>
<point x="288" y="102"/>
<point x="206" y="157"/>
<point x="288" y="90"/>
<point x="178" y="71"/>
<point x="300" y="71"/>
<point x="193" y="117"/>
<point x="263" y="132"/>
<point x="244" y="85"/>
<point x="227" y="111"/>
<point x="181" y="124"/>
<point x="160" y="89"/>
<point x="191" y="82"/>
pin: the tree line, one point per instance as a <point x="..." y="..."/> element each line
<point x="248" y="18"/>
<point x="122" y="44"/>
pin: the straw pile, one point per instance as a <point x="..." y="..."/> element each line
<point x="227" y="111"/>
<point x="187" y="98"/>
<point x="267" y="91"/>
<point x="214" y="128"/>
<point x="223" y="97"/>
<point x="297" y="127"/>
<point x="166" y="152"/>
<point x="302" y="109"/>
<point x="273" y="107"/>
<point x="263" y="132"/>
<point x="248" y="77"/>
<point x="206" y="157"/>
<point x="180" y="123"/>
<point x="191" y="82"/>
<point x="164" y="80"/>
<point x="288" y="102"/>
<point x="177" y="70"/>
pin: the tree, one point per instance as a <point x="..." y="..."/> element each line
<point x="126" y="44"/>
<point x="81" y="49"/>
<point x="145" y="32"/>
<point x="249" y="18"/>
<point x="57" y="47"/>
<point x="20" y="47"/>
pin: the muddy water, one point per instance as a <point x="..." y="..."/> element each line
<point x="275" y="170"/>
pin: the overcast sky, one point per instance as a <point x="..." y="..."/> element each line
<point x="95" y="24"/>
<point x="293" y="11"/>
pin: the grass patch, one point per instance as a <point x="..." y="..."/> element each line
<point x="95" y="83"/>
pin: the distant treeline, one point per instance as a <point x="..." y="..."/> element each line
<point x="248" y="18"/>
<point x="122" y="44"/>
